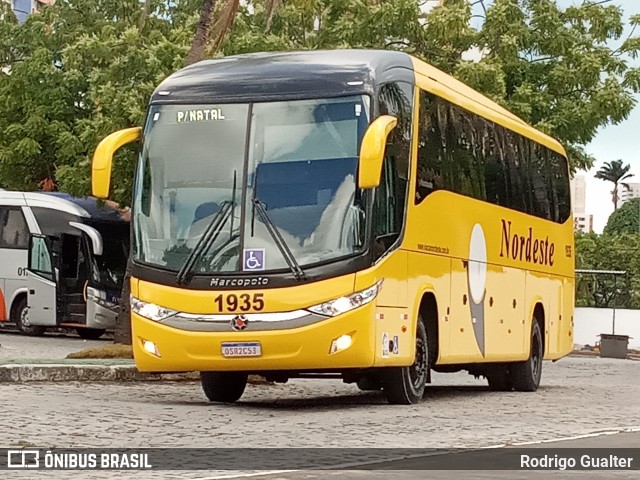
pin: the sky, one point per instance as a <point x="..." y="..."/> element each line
<point x="612" y="142"/>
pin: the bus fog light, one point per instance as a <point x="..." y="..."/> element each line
<point x="150" y="347"/>
<point x="340" y="343"/>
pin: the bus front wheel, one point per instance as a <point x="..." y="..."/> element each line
<point x="20" y="316"/>
<point x="406" y="385"/>
<point x="226" y="387"/>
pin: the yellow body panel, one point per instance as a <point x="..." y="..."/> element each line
<point x="300" y="348"/>
<point x="437" y="239"/>
<point x="294" y="349"/>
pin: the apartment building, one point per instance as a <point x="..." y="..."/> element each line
<point x="23" y="8"/>
<point x="582" y="221"/>
<point x="631" y="190"/>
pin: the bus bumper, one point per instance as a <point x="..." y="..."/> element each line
<point x="161" y="348"/>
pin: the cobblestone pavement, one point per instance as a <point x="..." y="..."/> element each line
<point x="577" y="396"/>
<point x="14" y="346"/>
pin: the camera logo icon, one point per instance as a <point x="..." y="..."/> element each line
<point x="23" y="458"/>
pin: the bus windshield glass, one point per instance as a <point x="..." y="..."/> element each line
<point x="297" y="159"/>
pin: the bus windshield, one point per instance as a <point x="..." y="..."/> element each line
<point x="295" y="160"/>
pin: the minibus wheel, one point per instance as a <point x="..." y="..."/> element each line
<point x="20" y="316"/>
<point x="226" y="387"/>
<point x="525" y="376"/>
<point x="406" y="385"/>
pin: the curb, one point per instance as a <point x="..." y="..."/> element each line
<point x="85" y="373"/>
<point x="587" y="353"/>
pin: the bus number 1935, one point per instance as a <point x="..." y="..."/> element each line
<point x="243" y="302"/>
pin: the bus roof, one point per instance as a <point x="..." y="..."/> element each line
<point x="322" y="73"/>
<point x="268" y="76"/>
<point x="85" y="207"/>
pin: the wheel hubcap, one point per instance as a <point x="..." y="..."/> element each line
<point x="24" y="317"/>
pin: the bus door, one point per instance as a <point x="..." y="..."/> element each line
<point x="41" y="283"/>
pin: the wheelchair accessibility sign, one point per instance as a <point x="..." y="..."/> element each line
<point x="253" y="259"/>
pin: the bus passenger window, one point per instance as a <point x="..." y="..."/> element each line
<point x="14" y="232"/>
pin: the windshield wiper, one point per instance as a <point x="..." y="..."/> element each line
<point x="279" y="241"/>
<point x="206" y="240"/>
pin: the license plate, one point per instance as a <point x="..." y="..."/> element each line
<point x="241" y="349"/>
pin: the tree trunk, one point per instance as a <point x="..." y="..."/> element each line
<point x="146" y="8"/>
<point x="197" y="50"/>
<point x="123" y="322"/>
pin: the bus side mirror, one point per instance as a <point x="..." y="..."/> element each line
<point x="103" y="159"/>
<point x="372" y="151"/>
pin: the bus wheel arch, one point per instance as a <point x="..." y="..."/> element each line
<point x="428" y="311"/>
<point x="406" y="385"/>
<point x="539" y="316"/>
<point x="18" y="315"/>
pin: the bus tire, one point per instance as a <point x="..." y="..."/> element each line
<point x="90" y="333"/>
<point x="20" y="316"/>
<point x="226" y="387"/>
<point x="525" y="376"/>
<point x="406" y="385"/>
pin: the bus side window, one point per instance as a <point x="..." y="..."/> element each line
<point x="14" y="232"/>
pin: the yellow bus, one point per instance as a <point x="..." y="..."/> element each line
<point x="349" y="214"/>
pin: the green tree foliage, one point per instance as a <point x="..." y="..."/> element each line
<point x="625" y="220"/>
<point x="74" y="73"/>
<point x="83" y="68"/>
<point x="615" y="173"/>
<point x="608" y="253"/>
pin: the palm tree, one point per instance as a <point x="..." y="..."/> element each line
<point x="615" y="173"/>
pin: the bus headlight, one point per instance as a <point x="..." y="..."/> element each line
<point x="345" y="304"/>
<point x="150" y="310"/>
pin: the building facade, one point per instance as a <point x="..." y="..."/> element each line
<point x="629" y="191"/>
<point x="582" y="221"/>
<point x="23" y="8"/>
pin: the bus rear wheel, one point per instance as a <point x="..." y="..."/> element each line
<point x="406" y="385"/>
<point x="20" y="316"/>
<point x="226" y="387"/>
<point x="525" y="376"/>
